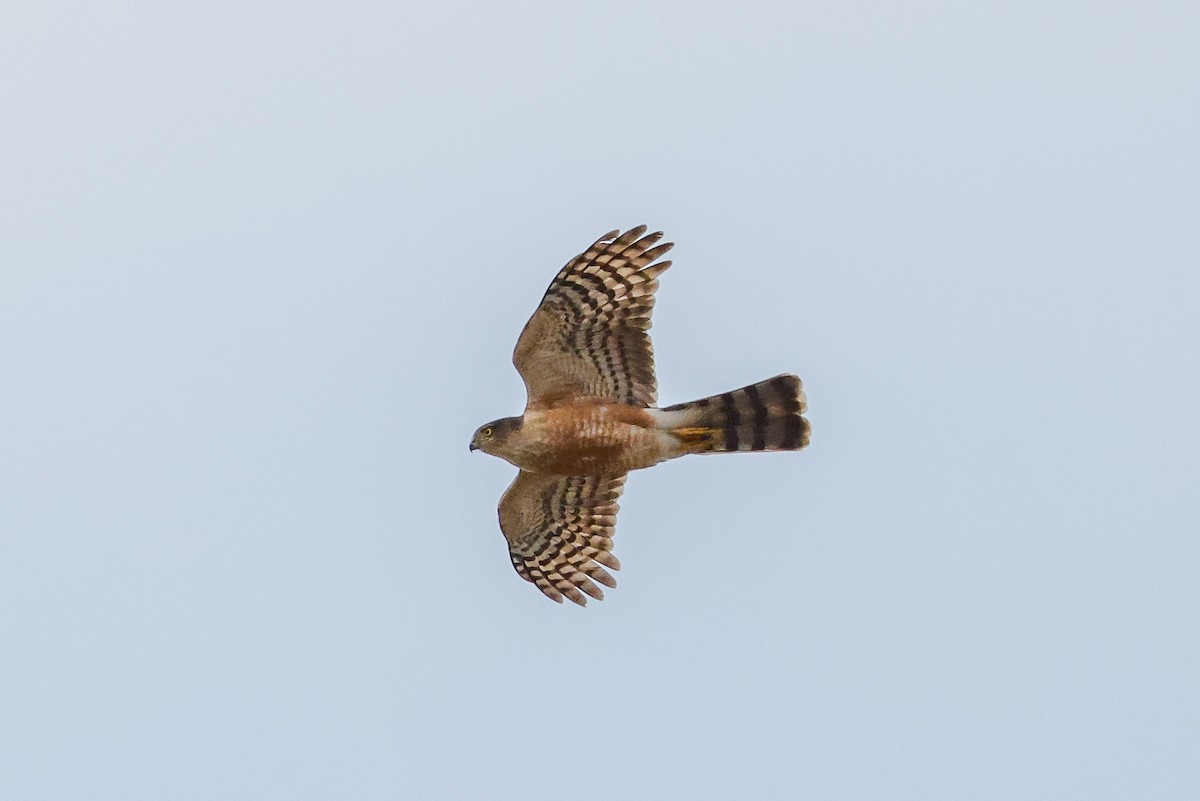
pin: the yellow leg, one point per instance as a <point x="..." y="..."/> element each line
<point x="695" y="438"/>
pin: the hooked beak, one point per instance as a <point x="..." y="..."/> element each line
<point x="474" y="447"/>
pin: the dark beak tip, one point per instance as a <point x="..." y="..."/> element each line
<point x="473" y="448"/>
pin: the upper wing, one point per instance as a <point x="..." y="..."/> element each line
<point x="588" y="337"/>
<point x="559" y="531"/>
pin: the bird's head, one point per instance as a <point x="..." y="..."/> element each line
<point x="491" y="437"/>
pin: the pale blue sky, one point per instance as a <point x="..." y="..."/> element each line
<point x="261" y="269"/>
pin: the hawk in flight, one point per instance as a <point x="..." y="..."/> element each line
<point x="591" y="416"/>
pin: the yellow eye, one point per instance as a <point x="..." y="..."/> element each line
<point x="487" y="431"/>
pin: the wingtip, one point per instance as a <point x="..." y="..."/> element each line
<point x="575" y="595"/>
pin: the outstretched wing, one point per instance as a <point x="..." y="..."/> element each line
<point x="559" y="531"/>
<point x="588" y="337"/>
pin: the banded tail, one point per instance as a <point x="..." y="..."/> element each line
<point x="761" y="417"/>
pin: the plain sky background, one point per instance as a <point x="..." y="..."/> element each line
<point x="262" y="266"/>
